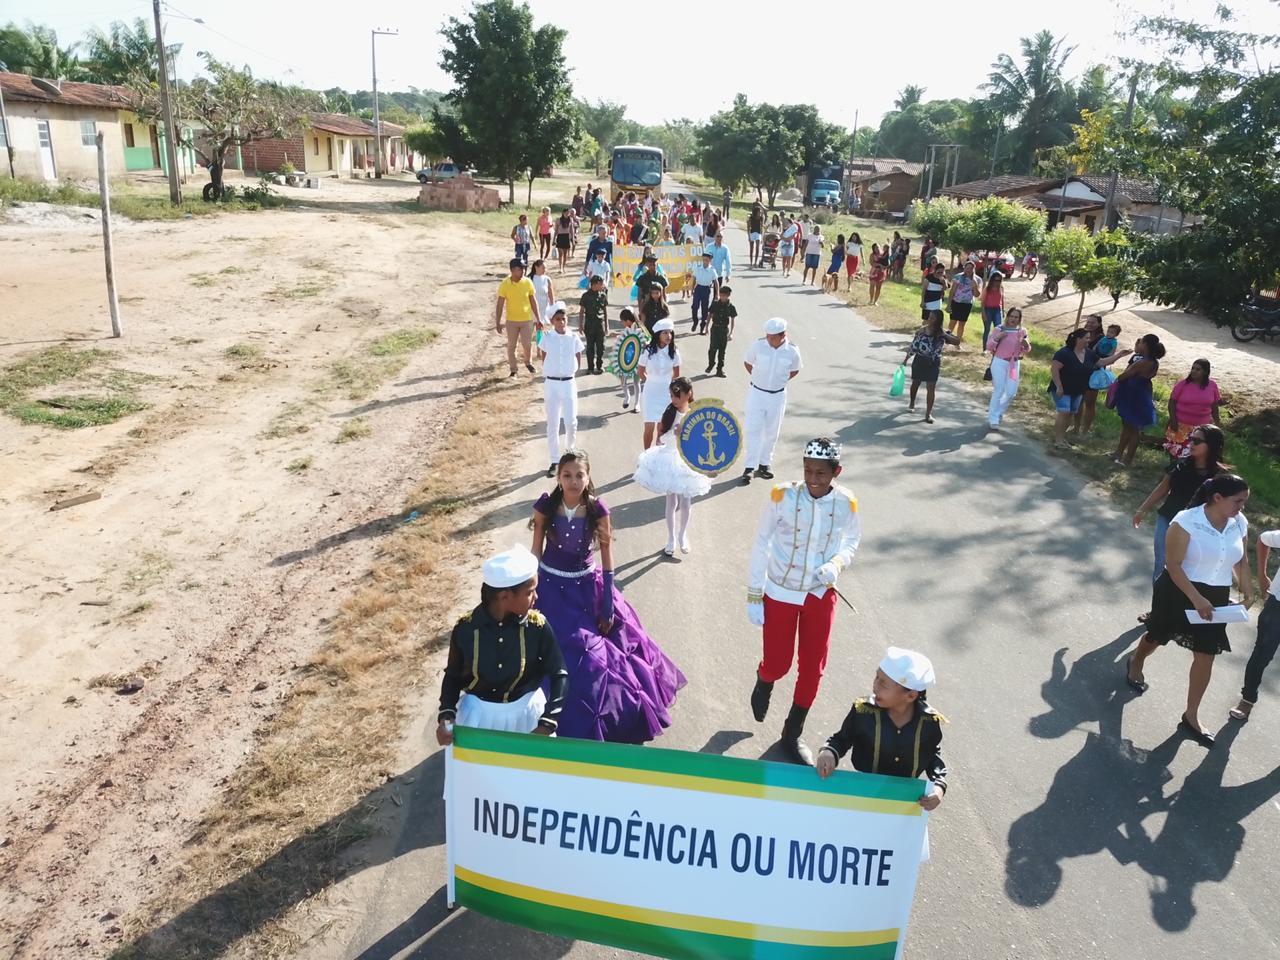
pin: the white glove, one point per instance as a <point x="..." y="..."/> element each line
<point x="755" y="613"/>
<point x="827" y="574"/>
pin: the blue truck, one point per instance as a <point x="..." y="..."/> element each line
<point x="825" y="185"/>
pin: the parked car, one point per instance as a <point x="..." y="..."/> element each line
<point x="441" y="171"/>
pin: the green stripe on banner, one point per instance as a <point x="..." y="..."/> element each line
<point x="647" y="938"/>
<point x="706" y="765"/>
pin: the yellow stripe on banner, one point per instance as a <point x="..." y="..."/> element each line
<point x="681" y="781"/>
<point x="679" y="921"/>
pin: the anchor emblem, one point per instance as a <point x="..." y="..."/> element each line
<point x="710" y="458"/>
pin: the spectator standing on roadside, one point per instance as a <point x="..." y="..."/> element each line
<point x="992" y="305"/>
<point x="852" y="256"/>
<point x="518" y="300"/>
<point x="1181" y="480"/>
<point x="1192" y="402"/>
<point x="1069" y="379"/>
<point x="727" y="197"/>
<point x="544" y="233"/>
<point x="1083" y="420"/>
<point x="755" y="233"/>
<point x="1133" y="397"/>
<point x="879" y="272"/>
<point x="812" y="255"/>
<point x="965" y="285"/>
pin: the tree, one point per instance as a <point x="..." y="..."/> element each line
<point x="1214" y="157"/>
<point x="751" y="143"/>
<point x="585" y="149"/>
<point x="602" y="120"/>
<point x="934" y="218"/>
<point x="864" y="141"/>
<point x="124" y="53"/>
<point x="426" y="139"/>
<point x="908" y="133"/>
<point x="1034" y="93"/>
<point x="34" y="50"/>
<point x="227" y="108"/>
<point x="820" y="142"/>
<point x="996" y="224"/>
<point x="908" y="96"/>
<point x="1091" y="261"/>
<point x="494" y="51"/>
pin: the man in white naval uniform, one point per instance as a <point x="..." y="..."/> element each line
<point x="807" y="534"/>
<point x="771" y="362"/>
<point x="561" y="353"/>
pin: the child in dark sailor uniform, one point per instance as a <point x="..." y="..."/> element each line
<point x="501" y="655"/>
<point x="896" y="732"/>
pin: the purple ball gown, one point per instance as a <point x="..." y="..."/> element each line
<point x="620" y="685"/>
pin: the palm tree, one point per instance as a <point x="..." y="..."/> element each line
<point x="34" y="50"/>
<point x="1033" y="93"/>
<point x="909" y="95"/>
<point x="124" y="54"/>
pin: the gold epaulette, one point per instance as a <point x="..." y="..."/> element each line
<point x="862" y="705"/>
<point x="465" y="618"/>
<point x="936" y="717"/>
<point x="537" y="619"/>
<point x="853" y="503"/>
<point x="778" y="492"/>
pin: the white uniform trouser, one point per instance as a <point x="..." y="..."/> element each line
<point x="561" y="397"/>
<point x="1004" y="387"/>
<point x="763" y="412"/>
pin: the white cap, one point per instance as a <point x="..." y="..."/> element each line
<point x="775" y="325"/>
<point x="510" y="568"/>
<point x="558" y="307"/>
<point x="908" y="668"/>
<point x="664" y="324"/>
<point x="822" y="448"/>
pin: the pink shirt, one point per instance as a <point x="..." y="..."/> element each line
<point x="1008" y="344"/>
<point x="1193" y="404"/>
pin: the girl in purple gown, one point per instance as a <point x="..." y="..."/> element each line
<point x="620" y="682"/>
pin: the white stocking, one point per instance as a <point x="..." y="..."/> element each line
<point x="686" y="510"/>
<point x="673" y="501"/>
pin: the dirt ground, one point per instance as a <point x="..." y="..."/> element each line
<point x="236" y="511"/>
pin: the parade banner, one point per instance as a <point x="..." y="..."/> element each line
<point x="710" y="437"/>
<point x="683" y="855"/>
<point x="676" y="259"/>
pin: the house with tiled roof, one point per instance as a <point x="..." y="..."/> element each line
<point x="883" y="183"/>
<point x="331" y="145"/>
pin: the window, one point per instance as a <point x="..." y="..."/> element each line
<point x="316" y="142"/>
<point x="128" y="134"/>
<point x="89" y="133"/>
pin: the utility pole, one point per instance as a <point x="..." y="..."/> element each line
<point x="1115" y="174"/>
<point x="996" y="152"/>
<point x="377" y="118"/>
<point x="104" y="194"/>
<point x="166" y="107"/>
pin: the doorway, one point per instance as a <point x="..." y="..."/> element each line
<point x="47" y="168"/>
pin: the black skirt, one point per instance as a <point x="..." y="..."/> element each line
<point x="1168" y="620"/>
<point x="924" y="369"/>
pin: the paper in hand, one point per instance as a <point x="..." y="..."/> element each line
<point x="1231" y="613"/>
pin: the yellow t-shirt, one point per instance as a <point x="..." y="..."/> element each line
<point x="517" y="294"/>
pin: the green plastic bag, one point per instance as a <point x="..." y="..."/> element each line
<point x="899" y="381"/>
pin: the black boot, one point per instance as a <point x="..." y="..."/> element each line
<point x="796" y="748"/>
<point x="760" y="699"/>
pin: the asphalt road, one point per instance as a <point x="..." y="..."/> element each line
<point x="1078" y="823"/>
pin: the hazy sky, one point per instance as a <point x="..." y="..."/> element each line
<point x="841" y="59"/>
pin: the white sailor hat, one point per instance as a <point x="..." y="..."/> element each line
<point x="664" y="324"/>
<point x="510" y="568"/>
<point x="908" y="668"/>
<point x="558" y="307"/>
<point x="822" y="448"/>
<point x="775" y="325"/>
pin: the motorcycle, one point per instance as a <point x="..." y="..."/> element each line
<point x="1051" y="285"/>
<point x="1257" y="321"/>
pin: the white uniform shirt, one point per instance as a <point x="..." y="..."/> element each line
<point x="659" y="366"/>
<point x="798" y="534"/>
<point x="704" y="276"/>
<point x="598" y="268"/>
<point x="770" y="368"/>
<point x="1212" y="554"/>
<point x="691" y="233"/>
<point x="1272" y="539"/>
<point x="562" y="351"/>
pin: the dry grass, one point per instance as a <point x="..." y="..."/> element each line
<point x="277" y="834"/>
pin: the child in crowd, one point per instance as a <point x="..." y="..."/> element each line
<point x="522" y="238"/>
<point x="561" y="354"/>
<point x="659" y="365"/>
<point x="621" y="684"/>
<point x="1107" y="345"/>
<point x="723" y="319"/>
<point x="630" y="382"/>
<point x="660" y="469"/>
<point x="593" y="321"/>
<point x="544" y="233"/>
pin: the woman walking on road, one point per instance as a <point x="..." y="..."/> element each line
<point x="992" y="305"/>
<point x="1264" y="648"/>
<point x="1204" y="551"/>
<point x="925" y="354"/>
<point x="564" y="237"/>
<point x="852" y="256"/>
<point x="1132" y="396"/>
<point x="787" y="247"/>
<point x="1181" y="480"/>
<point x="1008" y="345"/>
<point x="879" y="271"/>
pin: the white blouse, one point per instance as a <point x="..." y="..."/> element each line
<point x="1211" y="553"/>
<point x="659" y="366"/>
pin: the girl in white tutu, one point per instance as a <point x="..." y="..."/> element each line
<point x="661" y="469"/>
<point x="659" y="365"/>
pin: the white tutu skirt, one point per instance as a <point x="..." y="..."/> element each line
<point x="660" y="469"/>
<point x="518" y="716"/>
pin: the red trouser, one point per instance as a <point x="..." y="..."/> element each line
<point x="814" y="621"/>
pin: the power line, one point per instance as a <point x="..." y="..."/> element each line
<point x="230" y="39"/>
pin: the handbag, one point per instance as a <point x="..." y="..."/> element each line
<point x="987" y="374"/>
<point x="899" y="381"/>
<point x="1111" y="395"/>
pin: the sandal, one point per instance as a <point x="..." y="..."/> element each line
<point x="1138" y="686"/>
<point x="1241" y="711"/>
<point x="1202" y="737"/>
